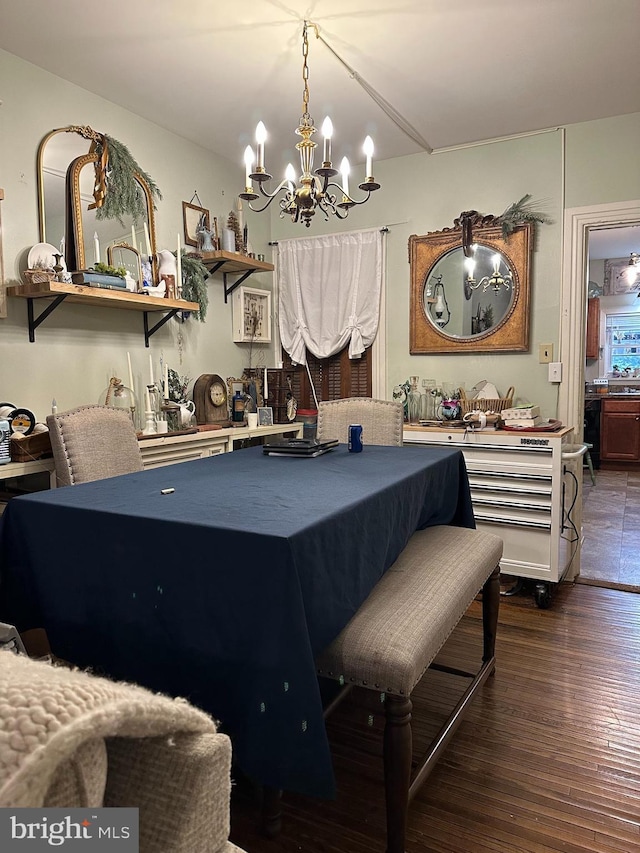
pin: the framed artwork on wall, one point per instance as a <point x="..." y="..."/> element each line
<point x="192" y="216"/>
<point x="251" y="315"/>
<point x="265" y="416"/>
<point x="616" y="279"/>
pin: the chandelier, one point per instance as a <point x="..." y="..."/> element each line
<point x="300" y="200"/>
<point x="495" y="280"/>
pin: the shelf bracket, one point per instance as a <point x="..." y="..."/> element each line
<point x="148" y="331"/>
<point x="34" y="321"/>
<point x="229" y="290"/>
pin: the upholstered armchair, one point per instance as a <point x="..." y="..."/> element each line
<point x="71" y="739"/>
<point x="381" y="420"/>
<point x="92" y="442"/>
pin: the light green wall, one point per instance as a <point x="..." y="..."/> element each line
<point x="77" y="348"/>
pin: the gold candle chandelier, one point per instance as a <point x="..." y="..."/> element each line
<point x="313" y="191"/>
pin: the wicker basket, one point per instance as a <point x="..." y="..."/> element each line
<point x="489" y="405"/>
<point x="38" y="276"/>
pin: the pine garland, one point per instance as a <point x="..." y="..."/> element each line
<point x="519" y="212"/>
<point x="124" y="195"/>
<point x="194" y="287"/>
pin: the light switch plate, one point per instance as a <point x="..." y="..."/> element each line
<point x="555" y="371"/>
<point x="545" y="353"/>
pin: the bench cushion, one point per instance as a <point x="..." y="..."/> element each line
<point x="404" y="622"/>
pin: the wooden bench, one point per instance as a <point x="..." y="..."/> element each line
<point x="398" y="631"/>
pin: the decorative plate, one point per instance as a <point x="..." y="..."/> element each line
<point x="41" y="256"/>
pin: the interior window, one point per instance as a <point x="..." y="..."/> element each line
<point x="622" y="343"/>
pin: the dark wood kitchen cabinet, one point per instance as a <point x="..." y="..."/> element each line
<point x="620" y="439"/>
<point x="593" y="328"/>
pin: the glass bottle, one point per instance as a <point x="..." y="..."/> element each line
<point x="413" y="408"/>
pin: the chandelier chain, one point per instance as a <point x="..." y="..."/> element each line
<point x="305" y="72"/>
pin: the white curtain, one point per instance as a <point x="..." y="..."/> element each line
<point x="329" y="293"/>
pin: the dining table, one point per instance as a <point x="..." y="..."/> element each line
<point x="219" y="580"/>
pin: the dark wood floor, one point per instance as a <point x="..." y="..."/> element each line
<point x="546" y="760"/>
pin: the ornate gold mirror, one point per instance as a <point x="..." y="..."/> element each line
<point x="91" y="236"/>
<point x="124" y="255"/>
<point x="470" y="288"/>
<point x="66" y="190"/>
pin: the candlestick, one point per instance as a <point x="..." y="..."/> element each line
<point x="368" y="150"/>
<point x="265" y="388"/>
<point x="166" y="381"/>
<point x="179" y="269"/>
<point x="151" y="382"/>
<point x="147" y="240"/>
<point x="327" y="132"/>
<point x="134" y="243"/>
<point x="147" y="400"/>
<point x="96" y="247"/>
<point x="261" y="135"/>
<point x="248" y="166"/>
<point x="130" y="372"/>
<point x="344" y="170"/>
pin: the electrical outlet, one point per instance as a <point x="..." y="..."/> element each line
<point x="555" y="371"/>
<point x="545" y="353"/>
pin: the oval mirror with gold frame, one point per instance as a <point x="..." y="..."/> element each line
<point x="478" y="303"/>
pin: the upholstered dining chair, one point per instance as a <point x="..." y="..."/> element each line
<point x="381" y="420"/>
<point x="93" y="442"/>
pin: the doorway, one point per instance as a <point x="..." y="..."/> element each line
<point x="610" y="511"/>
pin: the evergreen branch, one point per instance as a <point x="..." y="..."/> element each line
<point x="194" y="286"/>
<point x="124" y="195"/>
<point x="519" y="212"/>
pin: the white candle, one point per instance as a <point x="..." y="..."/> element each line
<point x="248" y="166"/>
<point x="150" y="370"/>
<point x="96" y="247"/>
<point x="166" y="381"/>
<point x="130" y="372"/>
<point x="147" y="241"/>
<point x="179" y="269"/>
<point x="344" y="169"/>
<point x="327" y="132"/>
<point x="368" y="150"/>
<point x="133" y="237"/>
<point x="147" y="400"/>
<point x="265" y="387"/>
<point x="261" y="135"/>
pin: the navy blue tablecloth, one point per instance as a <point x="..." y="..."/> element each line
<point x="224" y="590"/>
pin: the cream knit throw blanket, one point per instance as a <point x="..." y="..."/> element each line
<point x="47" y="712"/>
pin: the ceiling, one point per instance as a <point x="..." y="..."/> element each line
<point x="457" y="71"/>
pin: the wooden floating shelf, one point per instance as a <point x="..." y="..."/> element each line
<point x="233" y="262"/>
<point x="101" y="297"/>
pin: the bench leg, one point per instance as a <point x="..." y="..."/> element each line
<point x="490" y="607"/>
<point x="397" y="769"/>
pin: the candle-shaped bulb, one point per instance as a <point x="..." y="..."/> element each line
<point x="248" y="165"/>
<point x="261" y="136"/>
<point x="327" y="133"/>
<point x="96" y="247"/>
<point x="439" y="307"/>
<point x="344" y="171"/>
<point x="496" y="263"/>
<point x="470" y="266"/>
<point x="290" y="177"/>
<point x="368" y="150"/>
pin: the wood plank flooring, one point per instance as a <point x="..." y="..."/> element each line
<point x="546" y="760"/>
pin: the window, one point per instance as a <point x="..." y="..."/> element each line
<point x="622" y="342"/>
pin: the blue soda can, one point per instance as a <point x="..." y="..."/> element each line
<point x="355" y="438"/>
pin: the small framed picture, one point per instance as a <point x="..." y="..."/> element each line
<point x="193" y="216"/>
<point x="251" y="315"/>
<point x="265" y="416"/>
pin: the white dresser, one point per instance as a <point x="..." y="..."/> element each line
<point x="167" y="449"/>
<point x="524" y="488"/>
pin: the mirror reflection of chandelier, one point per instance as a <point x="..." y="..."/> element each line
<point x="632" y="272"/>
<point x="300" y="201"/>
<point x="496" y="280"/>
